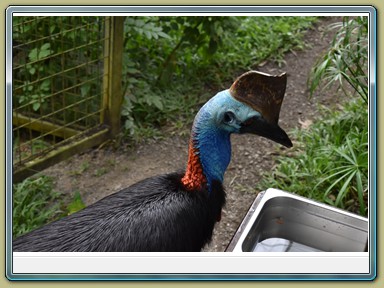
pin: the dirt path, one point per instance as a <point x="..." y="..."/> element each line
<point x="101" y="172"/>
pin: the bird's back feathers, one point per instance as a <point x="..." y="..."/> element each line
<point x="156" y="214"/>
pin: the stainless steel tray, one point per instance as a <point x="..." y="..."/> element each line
<point x="279" y="221"/>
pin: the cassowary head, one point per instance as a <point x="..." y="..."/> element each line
<point x="251" y="105"/>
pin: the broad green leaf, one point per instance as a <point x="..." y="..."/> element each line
<point x="33" y="54"/>
<point x="36" y="106"/>
<point x="157" y="102"/>
<point x="84" y="89"/>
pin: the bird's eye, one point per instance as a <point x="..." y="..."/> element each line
<point x="229" y="117"/>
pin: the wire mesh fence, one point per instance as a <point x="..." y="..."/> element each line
<point x="63" y="68"/>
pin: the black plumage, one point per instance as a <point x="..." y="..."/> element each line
<point x="155" y="214"/>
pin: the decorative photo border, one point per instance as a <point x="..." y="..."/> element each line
<point x="190" y="266"/>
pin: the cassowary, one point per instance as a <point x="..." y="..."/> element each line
<point x="174" y="212"/>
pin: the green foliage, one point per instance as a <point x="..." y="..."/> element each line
<point x="173" y="64"/>
<point x="80" y="170"/>
<point x="39" y="53"/>
<point x="170" y="64"/>
<point x="265" y="38"/>
<point x="329" y="161"/>
<point x="346" y="60"/>
<point x="155" y="72"/>
<point x="34" y="204"/>
<point x="49" y="57"/>
<point x="76" y="204"/>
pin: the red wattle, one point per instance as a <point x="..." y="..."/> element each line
<point x="194" y="178"/>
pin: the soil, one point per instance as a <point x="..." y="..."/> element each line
<point x="100" y="172"/>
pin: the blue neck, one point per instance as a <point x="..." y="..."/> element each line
<point x="211" y="136"/>
<point x="213" y="145"/>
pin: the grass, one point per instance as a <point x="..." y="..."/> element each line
<point x="266" y="38"/>
<point x="35" y="203"/>
<point x="346" y="62"/>
<point x="32" y="204"/>
<point x="80" y="170"/>
<point x="329" y="162"/>
<point x="76" y="204"/>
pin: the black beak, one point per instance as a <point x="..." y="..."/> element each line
<point x="259" y="126"/>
